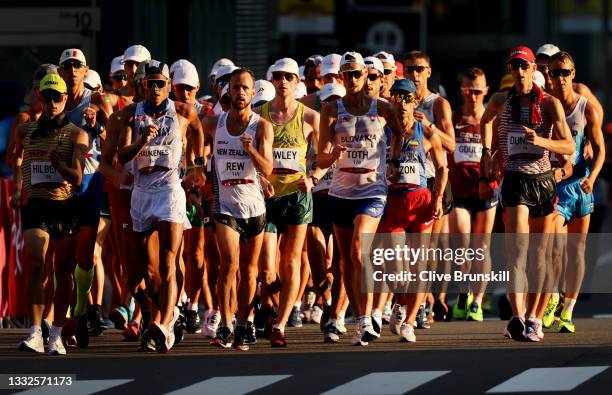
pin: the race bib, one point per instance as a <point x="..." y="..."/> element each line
<point x="409" y="173"/>
<point x="326" y="180"/>
<point x="236" y="170"/>
<point x="517" y="144"/>
<point x="286" y="160"/>
<point x="468" y="152"/>
<point x="43" y="172"/>
<point x="359" y="160"/>
<point x="153" y="155"/>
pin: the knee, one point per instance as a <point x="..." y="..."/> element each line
<point x="267" y="277"/>
<point x="167" y="270"/>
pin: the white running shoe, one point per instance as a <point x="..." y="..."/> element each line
<point x="171" y="337"/>
<point x="357" y="339"/>
<point x="212" y="324"/>
<point x="33" y="343"/>
<point x="407" y="333"/>
<point x="340" y="325"/>
<point x="316" y="315"/>
<point x="398" y="316"/>
<point x="377" y="322"/>
<point x="56" y="347"/>
<point x="367" y="330"/>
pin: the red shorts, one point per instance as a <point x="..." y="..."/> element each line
<point x="410" y="210"/>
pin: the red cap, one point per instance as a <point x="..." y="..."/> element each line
<point x="523" y="53"/>
<point x="399" y="68"/>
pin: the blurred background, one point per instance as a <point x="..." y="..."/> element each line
<point x="455" y="33"/>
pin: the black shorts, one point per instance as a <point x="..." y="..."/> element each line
<point x="321" y="212"/>
<point x="447" y="196"/>
<point x="474" y="204"/>
<point x="105" y="210"/>
<point x="58" y="218"/>
<point x="246" y="227"/>
<point x="536" y="191"/>
<point x="89" y="202"/>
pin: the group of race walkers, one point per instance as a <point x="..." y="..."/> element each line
<point x="256" y="202"/>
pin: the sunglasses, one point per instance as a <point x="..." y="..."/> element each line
<point x="373" y="77"/>
<point x="183" y="87"/>
<point x="54" y="97"/>
<point x="151" y="84"/>
<point x="356" y="74"/>
<point x="541" y="66"/>
<point x="387" y="71"/>
<point x="556" y="73"/>
<point x="403" y="98"/>
<point x="119" y="77"/>
<point x="418" y="69"/>
<point x="72" y="65"/>
<point x="472" y="91"/>
<point x="519" y="65"/>
<point x="277" y="76"/>
<point x="221" y="84"/>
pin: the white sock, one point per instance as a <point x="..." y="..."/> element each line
<point x="568" y="307"/>
<point x="251" y="318"/>
<point x="192" y="306"/>
<point x="478" y="300"/>
<point x="376" y="313"/>
<point x="55" y="331"/>
<point x="341" y="315"/>
<point x="332" y="321"/>
<point x="297" y="305"/>
<point x="328" y="301"/>
<point x="230" y="326"/>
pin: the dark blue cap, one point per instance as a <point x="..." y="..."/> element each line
<point x="405" y="85"/>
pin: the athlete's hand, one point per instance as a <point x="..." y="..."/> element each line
<point x="437" y="209"/>
<point x="421" y="117"/>
<point x="148" y="133"/>
<point x="15" y="200"/>
<point x="247" y="143"/>
<point x="267" y="187"/>
<point x="123" y="178"/>
<point x="55" y="159"/>
<point x="531" y="137"/>
<point x="557" y="174"/>
<point x="586" y="185"/>
<point x="305" y="184"/>
<point x="338" y="150"/>
<point x="89" y="115"/>
<point x="588" y="151"/>
<point x="484" y="190"/>
<point x="392" y="173"/>
<point x="199" y="178"/>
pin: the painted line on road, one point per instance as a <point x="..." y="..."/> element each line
<point x="78" y="387"/>
<point x="234" y="385"/>
<point x="548" y="379"/>
<point x="602" y="315"/>
<point x="386" y="383"/>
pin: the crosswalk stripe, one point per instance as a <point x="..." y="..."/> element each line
<point x="230" y="385"/>
<point x="548" y="379"/>
<point x="386" y="383"/>
<point x="78" y="387"/>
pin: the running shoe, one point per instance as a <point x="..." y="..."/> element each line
<point x="277" y="338"/>
<point x="45" y="328"/>
<point x="357" y="339"/>
<point x="224" y="338"/>
<point x="377" y="322"/>
<point x="56" y="347"/>
<point x="70" y="342"/>
<point x="82" y="332"/>
<point x="179" y="325"/>
<point x="251" y="336"/>
<point x="316" y="315"/>
<point x="240" y="338"/>
<point x="324" y="316"/>
<point x="367" y="330"/>
<point x="107" y="324"/>
<point x="549" y="314"/>
<point x="566" y="325"/>
<point x="131" y="332"/>
<point x="262" y="315"/>
<point x="94" y="320"/>
<point x="159" y="333"/>
<point x="294" y="319"/>
<point x="211" y="326"/>
<point x="33" y="343"/>
<point x="147" y="344"/>
<point x="474" y="313"/>
<point x="531" y="331"/>
<point x="505" y="309"/>
<point x="460" y="309"/>
<point x="406" y="333"/>
<point x="421" y="319"/>
<point x="386" y="315"/>
<point x="340" y="326"/>
<point x="120" y="316"/>
<point x="331" y="334"/>
<point x="515" y="329"/>
<point x="69" y="328"/>
<point x="539" y="331"/>
<point x="440" y="310"/>
<point x="192" y="324"/>
<point x="398" y="317"/>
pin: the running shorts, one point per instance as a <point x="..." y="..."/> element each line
<point x="149" y="208"/>
<point x="321" y="212"/>
<point x="89" y="202"/>
<point x="344" y="211"/>
<point x="573" y="201"/>
<point x="58" y="218"/>
<point x="536" y="191"/>
<point x="292" y="209"/>
<point x="409" y="210"/>
<point x="475" y="205"/>
<point x="246" y="227"/>
<point x="447" y="196"/>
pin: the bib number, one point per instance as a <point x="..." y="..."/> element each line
<point x="153" y="155"/>
<point x="517" y="144"/>
<point x="235" y="171"/>
<point x="44" y="172"/>
<point x="409" y="174"/>
<point x="286" y="160"/>
<point x="468" y="152"/>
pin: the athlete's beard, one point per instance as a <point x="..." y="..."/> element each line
<point x="236" y="106"/>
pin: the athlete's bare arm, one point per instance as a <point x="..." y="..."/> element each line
<point x="584" y="90"/>
<point x="126" y="148"/>
<point x="309" y="100"/>
<point x="73" y="173"/>
<point x="19" y="119"/>
<point x="594" y="134"/>
<point x="262" y="156"/>
<point x="433" y="145"/>
<point x="17" y="173"/>
<point x="312" y="122"/>
<point x="328" y="152"/>
<point x="444" y="124"/>
<point x="387" y="110"/>
<point x="561" y="141"/>
<point x="209" y="124"/>
<point x="487" y="167"/>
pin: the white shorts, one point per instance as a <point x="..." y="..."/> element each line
<point x="149" y="208"/>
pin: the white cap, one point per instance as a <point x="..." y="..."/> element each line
<point x="330" y="90"/>
<point x="117" y="65"/>
<point x="224" y="70"/>
<point x="385" y="57"/>
<point x="538" y="79"/>
<point x="286" y="65"/>
<point x="72" y="53"/>
<point x="352" y="57"/>
<point x="264" y="92"/>
<point x="374" y="63"/>
<point x="92" y="78"/>
<point x="136" y="53"/>
<point x="218" y="64"/>
<point x="185" y="73"/>
<point x="224" y="90"/>
<point x="331" y="64"/>
<point x="302" y="76"/>
<point x="269" y="73"/>
<point x="300" y="91"/>
<point x="178" y="64"/>
<point x="548" y="50"/>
